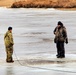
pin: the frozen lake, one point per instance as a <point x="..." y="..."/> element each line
<point x="33" y="37"/>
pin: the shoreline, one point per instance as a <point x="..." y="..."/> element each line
<point x="67" y="9"/>
<point x="74" y="9"/>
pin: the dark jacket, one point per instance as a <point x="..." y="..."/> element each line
<point x="60" y="35"/>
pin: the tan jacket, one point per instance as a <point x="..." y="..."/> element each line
<point x="8" y="39"/>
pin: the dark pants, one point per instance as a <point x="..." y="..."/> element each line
<point x="60" y="49"/>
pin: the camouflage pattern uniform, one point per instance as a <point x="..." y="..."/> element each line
<point x="8" y="39"/>
<point x="60" y="38"/>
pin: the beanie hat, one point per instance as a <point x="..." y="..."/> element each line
<point x="60" y="23"/>
<point x="9" y="28"/>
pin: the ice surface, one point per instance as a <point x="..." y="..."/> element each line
<point x="34" y="46"/>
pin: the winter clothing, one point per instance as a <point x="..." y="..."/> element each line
<point x="8" y="39"/>
<point x="60" y="38"/>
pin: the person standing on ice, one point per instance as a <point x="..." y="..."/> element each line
<point x="8" y="39"/>
<point x="60" y="38"/>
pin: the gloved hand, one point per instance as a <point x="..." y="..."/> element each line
<point x="66" y="41"/>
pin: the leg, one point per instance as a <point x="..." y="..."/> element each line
<point x="58" y="49"/>
<point x="62" y="52"/>
<point x="9" y="52"/>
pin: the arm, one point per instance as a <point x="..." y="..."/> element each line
<point x="65" y="35"/>
<point x="11" y="38"/>
<point x="55" y="31"/>
<point x="5" y="35"/>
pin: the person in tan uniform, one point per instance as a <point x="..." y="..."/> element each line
<point x="60" y="38"/>
<point x="8" y="39"/>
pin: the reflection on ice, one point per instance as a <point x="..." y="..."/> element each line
<point x="9" y="71"/>
<point x="51" y="60"/>
<point x="41" y="62"/>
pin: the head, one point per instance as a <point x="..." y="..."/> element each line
<point x="10" y="29"/>
<point x="60" y="24"/>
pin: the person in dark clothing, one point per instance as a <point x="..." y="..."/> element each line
<point x="60" y="38"/>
